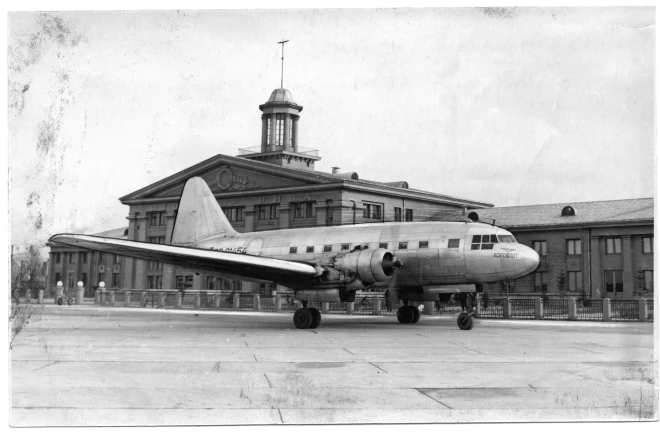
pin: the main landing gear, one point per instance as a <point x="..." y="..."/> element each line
<point x="407" y="314"/>
<point x="307" y="318"/>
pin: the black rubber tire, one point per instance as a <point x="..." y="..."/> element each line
<point x="60" y="301"/>
<point x="302" y="318"/>
<point x="404" y="315"/>
<point x="465" y="322"/>
<point x="416" y="314"/>
<point x="70" y="301"/>
<point x="316" y="317"/>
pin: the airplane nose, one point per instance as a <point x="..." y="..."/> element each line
<point x="531" y="260"/>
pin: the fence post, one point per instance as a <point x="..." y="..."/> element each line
<point x="506" y="310"/>
<point x="642" y="309"/>
<point x="97" y="297"/>
<point x="477" y="308"/>
<point x="216" y="301"/>
<point x="375" y="303"/>
<point x="538" y="308"/>
<point x="80" y="293"/>
<point x="101" y="290"/>
<point x="350" y="307"/>
<point x="278" y="303"/>
<point x="256" y="303"/>
<point x="428" y="307"/>
<point x="161" y="303"/>
<point x="112" y="298"/>
<point x="177" y="300"/>
<point x="40" y="297"/>
<point x="127" y="298"/>
<point x="236" y="301"/>
<point x="325" y="307"/>
<point x="607" y="311"/>
<point x="197" y="300"/>
<point x="572" y="308"/>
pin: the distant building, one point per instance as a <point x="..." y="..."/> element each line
<point x="605" y="248"/>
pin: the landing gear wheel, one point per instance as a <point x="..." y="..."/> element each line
<point x="416" y="314"/>
<point x="405" y="314"/>
<point x="316" y="317"/>
<point x="60" y="301"/>
<point x="302" y="318"/>
<point x="70" y="301"/>
<point x="465" y="321"/>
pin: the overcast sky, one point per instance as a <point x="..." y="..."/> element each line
<point x="512" y="107"/>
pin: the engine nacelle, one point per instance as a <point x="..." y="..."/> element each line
<point x="374" y="265"/>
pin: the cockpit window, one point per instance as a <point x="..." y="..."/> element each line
<point x="484" y="242"/>
<point x="476" y="239"/>
<point x="507" y="238"/>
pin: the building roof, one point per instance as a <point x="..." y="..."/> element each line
<point x="120" y="233"/>
<point x="281" y="96"/>
<point x="586" y="213"/>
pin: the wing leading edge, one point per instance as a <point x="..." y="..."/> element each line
<point x="238" y="265"/>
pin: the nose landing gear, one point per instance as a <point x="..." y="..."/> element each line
<point x="465" y="320"/>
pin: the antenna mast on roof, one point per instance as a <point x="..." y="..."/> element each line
<point x="282" y="77"/>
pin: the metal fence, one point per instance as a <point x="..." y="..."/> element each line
<point x="623" y="310"/>
<point x="523" y="308"/>
<point x="555" y="309"/>
<point x="649" y="309"/>
<point x="589" y="310"/>
<point x="494" y="309"/>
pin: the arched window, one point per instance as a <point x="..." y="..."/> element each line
<point x="568" y="211"/>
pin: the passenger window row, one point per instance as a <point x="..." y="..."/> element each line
<point x="453" y="243"/>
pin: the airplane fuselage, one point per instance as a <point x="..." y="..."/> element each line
<point x="434" y="253"/>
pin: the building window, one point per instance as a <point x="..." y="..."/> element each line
<point x="541" y="282"/>
<point x="268" y="138"/>
<point x="327" y="248"/>
<point x="71" y="257"/>
<point x="293" y="250"/>
<point x="614" y="280"/>
<point x="156" y="219"/>
<point x="648" y="281"/>
<point x="409" y="214"/>
<point x="423" y="244"/>
<point x="373" y="211"/>
<point x="279" y="129"/>
<point x="184" y="282"/>
<point x="69" y="280"/>
<point x="58" y="257"/>
<point x="345" y="247"/>
<point x="403" y="245"/>
<point x="574" y="281"/>
<point x="155" y="282"/>
<point x="155" y="265"/>
<point x="647" y="244"/>
<point x="84" y="257"/>
<point x="268" y="212"/>
<point x="210" y="283"/>
<point x="541" y="247"/>
<point x="84" y="279"/>
<point x="58" y="277"/>
<point x="612" y="245"/>
<point x="115" y="280"/>
<point x="156" y="239"/>
<point x="117" y="258"/>
<point x="304" y="210"/>
<point x="382" y="245"/>
<point x="574" y="247"/>
<point x="454" y="243"/>
<point x="234" y="214"/>
<point x="310" y="249"/>
<point x="101" y="258"/>
<point x="397" y="214"/>
<point x="101" y="278"/>
<point x="290" y="144"/>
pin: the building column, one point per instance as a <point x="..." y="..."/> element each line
<point x="285" y="217"/>
<point x="597" y="288"/>
<point x="168" y="270"/>
<point x="51" y="274"/>
<point x="295" y="119"/>
<point x="129" y="263"/>
<point x="250" y="219"/>
<point x="264" y="132"/>
<point x="141" y="265"/>
<point x="273" y="121"/>
<point x="287" y="121"/>
<point x="628" y="271"/>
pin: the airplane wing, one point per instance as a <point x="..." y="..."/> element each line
<point x="238" y="265"/>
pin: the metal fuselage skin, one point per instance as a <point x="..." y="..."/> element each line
<point x="439" y="263"/>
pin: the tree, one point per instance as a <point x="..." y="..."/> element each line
<point x="26" y="272"/>
<point x="640" y="283"/>
<point x="562" y="284"/>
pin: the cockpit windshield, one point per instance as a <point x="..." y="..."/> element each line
<point x="506" y="238"/>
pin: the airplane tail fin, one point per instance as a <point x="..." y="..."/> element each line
<point x="199" y="215"/>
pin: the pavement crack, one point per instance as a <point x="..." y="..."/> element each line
<point x="378" y="367"/>
<point x="52" y="363"/>
<point x="280" y="412"/>
<point x="255" y="358"/>
<point x="348" y="352"/>
<point x="268" y="380"/>
<point x="434" y="399"/>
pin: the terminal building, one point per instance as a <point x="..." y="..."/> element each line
<point x="605" y="249"/>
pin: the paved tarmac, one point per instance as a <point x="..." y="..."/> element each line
<point x="78" y="365"/>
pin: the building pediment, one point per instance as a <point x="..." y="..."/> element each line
<point x="226" y="174"/>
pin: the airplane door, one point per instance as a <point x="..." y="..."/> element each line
<point x="254" y="247"/>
